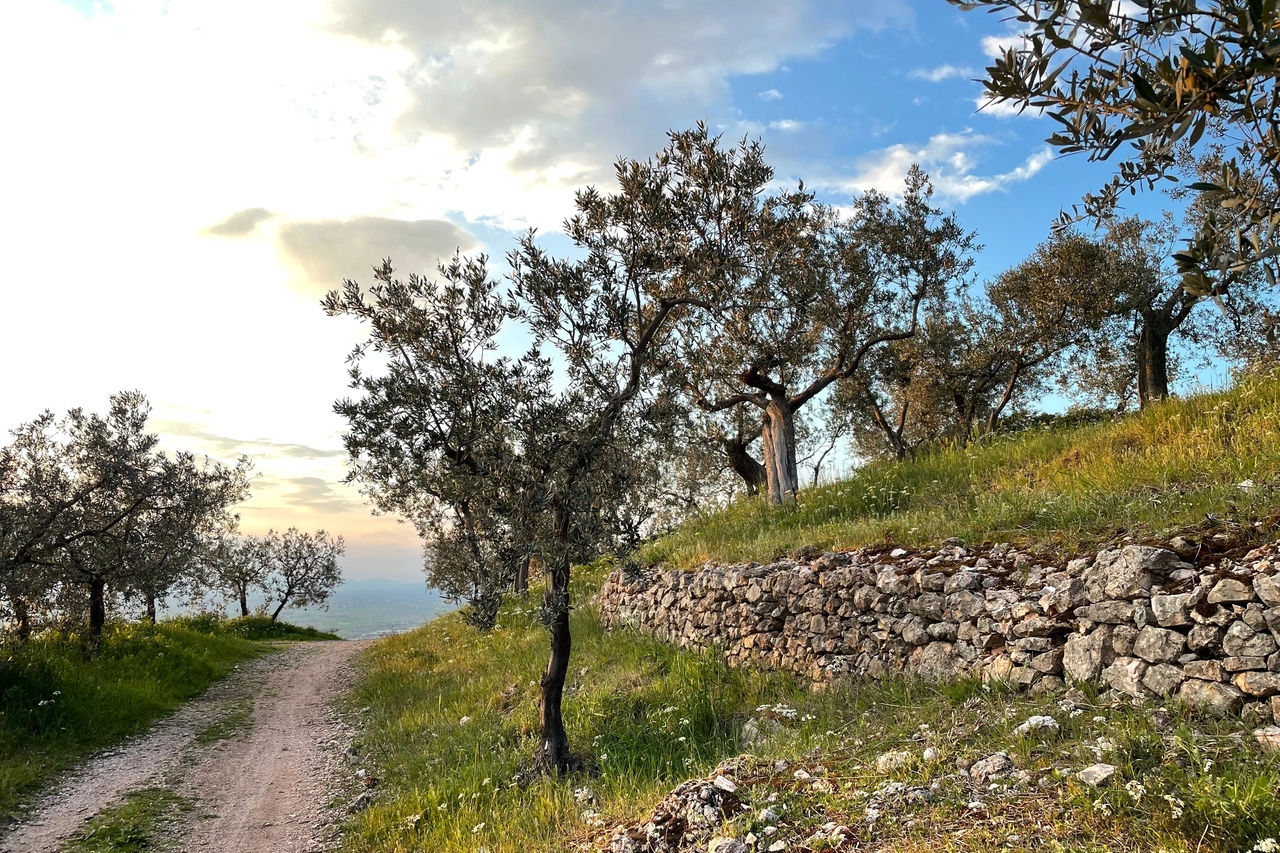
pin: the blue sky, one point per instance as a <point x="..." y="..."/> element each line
<point x="195" y="174"/>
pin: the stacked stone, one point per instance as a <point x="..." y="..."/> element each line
<point x="1138" y="619"/>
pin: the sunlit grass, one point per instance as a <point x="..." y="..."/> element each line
<point x="1147" y="475"/>
<point x="449" y="716"/>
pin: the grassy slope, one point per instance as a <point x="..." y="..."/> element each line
<point x="1149" y="474"/>
<point x="651" y="717"/>
<point x="57" y="706"/>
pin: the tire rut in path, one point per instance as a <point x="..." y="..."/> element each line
<point x="264" y="790"/>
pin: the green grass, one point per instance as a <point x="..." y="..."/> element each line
<point x="650" y="716"/>
<point x="449" y="716"/>
<point x="134" y="826"/>
<point x="252" y="628"/>
<point x="1150" y="474"/>
<point x="58" y="705"/>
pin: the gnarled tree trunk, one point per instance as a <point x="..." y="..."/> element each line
<point x="244" y="600"/>
<point x="522" y="578"/>
<point x="778" y="440"/>
<point x="151" y="608"/>
<point x="744" y="465"/>
<point x="22" y="615"/>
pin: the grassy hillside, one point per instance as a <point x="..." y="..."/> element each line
<point x="1149" y="474"/>
<point x="57" y="705"/>
<point x="449" y="716"/>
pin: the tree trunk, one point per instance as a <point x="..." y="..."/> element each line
<point x="22" y="614"/>
<point x="279" y="607"/>
<point x="97" y="611"/>
<point x="745" y="466"/>
<point x="151" y="608"/>
<point x="778" y="439"/>
<point x="244" y="600"/>
<point x="522" y="578"/>
<point x="553" y="747"/>
<point x="1153" y="365"/>
<point x="993" y="420"/>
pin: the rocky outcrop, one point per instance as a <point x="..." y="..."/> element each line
<point x="1137" y="619"/>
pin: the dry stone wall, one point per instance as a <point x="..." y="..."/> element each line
<point x="1140" y="620"/>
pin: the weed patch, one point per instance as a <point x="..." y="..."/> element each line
<point x="134" y="826"/>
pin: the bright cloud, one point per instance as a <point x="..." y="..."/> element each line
<point x="942" y="72"/>
<point x="951" y="161"/>
<point x="188" y="177"/>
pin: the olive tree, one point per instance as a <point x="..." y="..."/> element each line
<point x="233" y="566"/>
<point x="93" y="508"/>
<point x="981" y="352"/>
<point x="504" y="422"/>
<point x="814" y="294"/>
<point x="301" y="569"/>
<point x="1146" y="77"/>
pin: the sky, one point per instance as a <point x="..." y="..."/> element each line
<point x="181" y="182"/>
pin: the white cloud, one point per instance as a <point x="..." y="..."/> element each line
<point x="951" y="162"/>
<point x="942" y="72"/>
<point x="786" y="125"/>
<point x="996" y="46"/>
<point x="988" y="106"/>
<point x="769" y="95"/>
<point x="551" y="82"/>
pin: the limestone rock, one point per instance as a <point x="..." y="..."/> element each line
<point x="1230" y="591"/>
<point x="1108" y="612"/>
<point x="1261" y="684"/>
<point x="1207" y="670"/>
<point x="1097" y="775"/>
<point x="1267" y="590"/>
<point x="992" y="767"/>
<point x="1159" y="645"/>
<point x="1217" y="698"/>
<point x="1128" y="573"/>
<point x="1085" y="655"/>
<point x="1243" y="641"/>
<point x="1163" y="679"/>
<point x="938" y="662"/>
<point x="1125" y="676"/>
<point x="1171" y="611"/>
<point x="1268" y="738"/>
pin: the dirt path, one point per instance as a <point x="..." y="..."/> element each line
<point x="267" y="788"/>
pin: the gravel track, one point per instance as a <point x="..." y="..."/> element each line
<point x="267" y="788"/>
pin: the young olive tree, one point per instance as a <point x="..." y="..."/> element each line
<point x="301" y="569"/>
<point x="232" y="565"/>
<point x="531" y="453"/>
<point x="1149" y="76"/>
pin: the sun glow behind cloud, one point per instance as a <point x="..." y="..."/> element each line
<point x="183" y="180"/>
